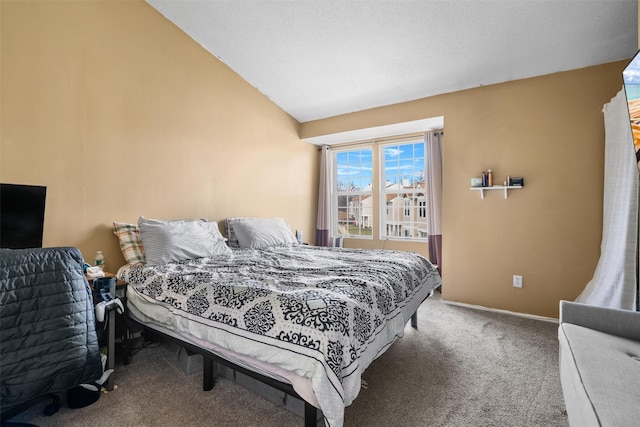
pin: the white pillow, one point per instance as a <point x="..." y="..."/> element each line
<point x="259" y="233"/>
<point x="170" y="241"/>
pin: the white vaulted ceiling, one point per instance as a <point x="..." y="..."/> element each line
<point x="321" y="58"/>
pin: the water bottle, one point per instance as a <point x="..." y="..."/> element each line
<point x="99" y="260"/>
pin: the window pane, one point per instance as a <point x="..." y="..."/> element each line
<point x="354" y="197"/>
<point x="354" y="170"/>
<point x="404" y="213"/>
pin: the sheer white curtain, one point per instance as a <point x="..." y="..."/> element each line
<point x="614" y="281"/>
<point x="433" y="175"/>
<point x="323" y="220"/>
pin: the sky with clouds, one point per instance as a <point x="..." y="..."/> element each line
<point x="404" y="161"/>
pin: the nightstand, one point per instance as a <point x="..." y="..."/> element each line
<point x="121" y="290"/>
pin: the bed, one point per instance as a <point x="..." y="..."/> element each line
<point x="307" y="316"/>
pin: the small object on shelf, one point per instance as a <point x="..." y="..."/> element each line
<point x="476" y="182"/>
<point x="489" y="178"/>
<point x="517" y="180"/>
<point x="484" y="179"/>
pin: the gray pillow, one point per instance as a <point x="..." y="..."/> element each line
<point x="170" y="241"/>
<point x="259" y="233"/>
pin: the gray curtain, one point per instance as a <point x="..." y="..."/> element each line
<point x="614" y="280"/>
<point x="323" y="221"/>
<point x="433" y="176"/>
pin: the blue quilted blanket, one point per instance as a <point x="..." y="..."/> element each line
<point x="48" y="341"/>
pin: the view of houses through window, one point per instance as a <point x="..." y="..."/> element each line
<point x="354" y="178"/>
<point x="402" y="206"/>
<point x="403" y="194"/>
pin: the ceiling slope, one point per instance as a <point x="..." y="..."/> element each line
<point x="317" y="59"/>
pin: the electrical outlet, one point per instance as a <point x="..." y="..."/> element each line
<point x="517" y="281"/>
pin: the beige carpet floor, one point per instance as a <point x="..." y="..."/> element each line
<point x="462" y="367"/>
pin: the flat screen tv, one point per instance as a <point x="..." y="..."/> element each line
<point x="21" y="215"/>
<point x="631" y="80"/>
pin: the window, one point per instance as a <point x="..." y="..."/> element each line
<point x="422" y="208"/>
<point x="402" y="172"/>
<point x="354" y="192"/>
<point x="400" y="207"/>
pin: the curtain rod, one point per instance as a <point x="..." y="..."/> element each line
<point x="381" y="140"/>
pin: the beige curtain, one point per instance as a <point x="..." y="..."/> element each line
<point x="323" y="220"/>
<point x="433" y="175"/>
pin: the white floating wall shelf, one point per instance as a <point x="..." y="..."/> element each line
<point x="506" y="188"/>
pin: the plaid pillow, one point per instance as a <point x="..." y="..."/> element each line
<point x="130" y="243"/>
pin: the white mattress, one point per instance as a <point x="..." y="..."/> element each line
<point x="159" y="317"/>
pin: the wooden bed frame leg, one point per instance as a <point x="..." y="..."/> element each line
<point x="208" y="373"/>
<point x="414" y="320"/>
<point x="310" y="415"/>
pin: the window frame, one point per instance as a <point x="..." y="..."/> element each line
<point x="336" y="194"/>
<point x="414" y="228"/>
<point x="416" y="199"/>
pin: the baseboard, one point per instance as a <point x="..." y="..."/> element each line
<point x="495" y="310"/>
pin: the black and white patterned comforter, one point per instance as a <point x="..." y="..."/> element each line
<point x="323" y="313"/>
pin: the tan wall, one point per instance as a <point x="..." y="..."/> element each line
<point x="548" y="130"/>
<point x="120" y="114"/>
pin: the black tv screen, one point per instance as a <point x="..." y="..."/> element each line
<point x="21" y="215"/>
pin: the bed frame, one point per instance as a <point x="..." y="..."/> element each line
<point x="209" y="372"/>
